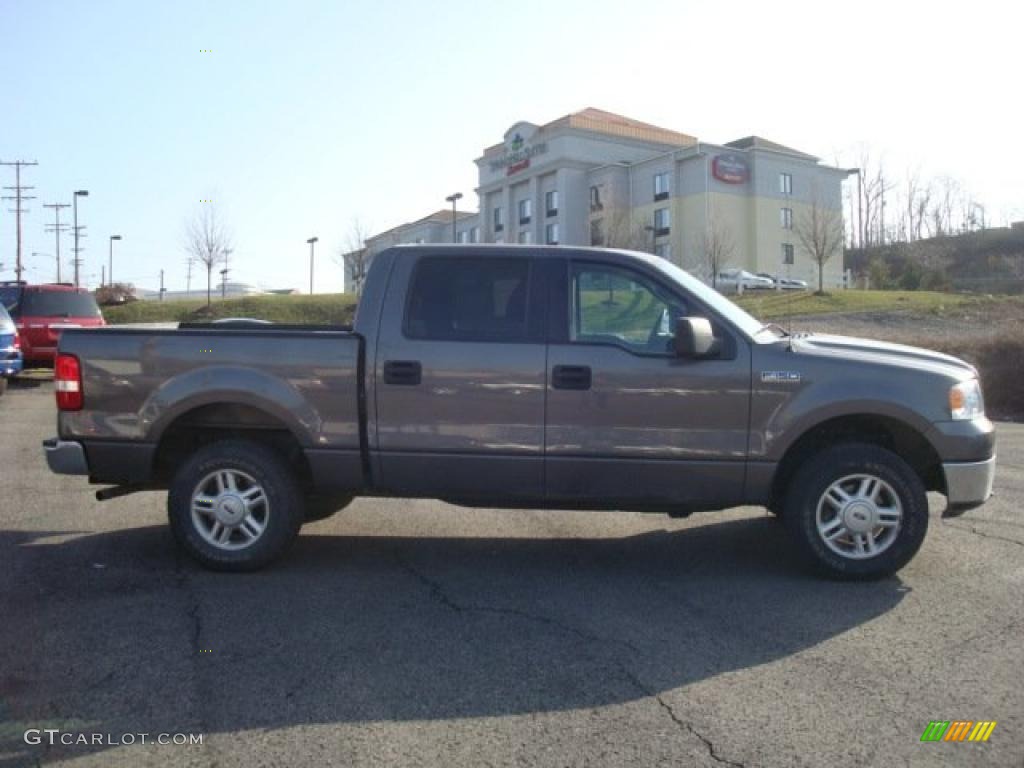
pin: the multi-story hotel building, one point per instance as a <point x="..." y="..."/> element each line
<point x="596" y="178"/>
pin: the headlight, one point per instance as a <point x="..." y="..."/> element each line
<point x="965" y="401"/>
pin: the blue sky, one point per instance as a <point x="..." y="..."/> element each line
<point x="306" y="115"/>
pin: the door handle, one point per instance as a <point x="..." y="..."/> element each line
<point x="570" y="377"/>
<point x="403" y="373"/>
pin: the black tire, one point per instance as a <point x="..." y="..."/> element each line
<point x="322" y="507"/>
<point x="281" y="517"/>
<point x="808" y="486"/>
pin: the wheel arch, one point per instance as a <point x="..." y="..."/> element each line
<point x="883" y="430"/>
<point x="210" y="422"/>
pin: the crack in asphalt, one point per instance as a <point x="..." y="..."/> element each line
<point x="184" y="584"/>
<point x="974" y="529"/>
<point x="438" y="593"/>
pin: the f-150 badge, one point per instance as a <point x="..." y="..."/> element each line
<point x="780" y="377"/>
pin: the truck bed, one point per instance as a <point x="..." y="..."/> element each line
<point x="141" y="384"/>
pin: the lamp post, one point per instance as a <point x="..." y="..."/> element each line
<point x="860" y="215"/>
<point x="224" y="283"/>
<point x="312" y="244"/>
<point x="110" y="260"/>
<point x="454" y="199"/>
<point x="78" y="193"/>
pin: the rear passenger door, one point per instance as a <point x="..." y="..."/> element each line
<point x="459" y="379"/>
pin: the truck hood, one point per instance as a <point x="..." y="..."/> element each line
<point x="882" y="352"/>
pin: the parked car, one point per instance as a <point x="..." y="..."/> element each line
<point x="784" y="283"/>
<point x="545" y="377"/>
<point x="42" y="312"/>
<point x="730" y="280"/>
<point x="10" y="349"/>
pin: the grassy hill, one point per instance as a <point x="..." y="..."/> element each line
<point x="338" y="308"/>
<point x="320" y="309"/>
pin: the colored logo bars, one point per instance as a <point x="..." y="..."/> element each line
<point x="958" y="730"/>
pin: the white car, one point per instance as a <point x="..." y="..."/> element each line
<point x="784" y="283"/>
<point x="730" y="281"/>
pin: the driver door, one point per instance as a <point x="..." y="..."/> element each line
<point x="628" y="422"/>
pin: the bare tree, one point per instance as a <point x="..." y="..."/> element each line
<point x="354" y="256"/>
<point x="820" y="231"/>
<point x="623" y="229"/>
<point x="717" y="246"/>
<point x="207" y="240"/>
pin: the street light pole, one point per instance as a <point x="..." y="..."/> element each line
<point x="454" y="199"/>
<point x="78" y="193"/>
<point x="312" y="244"/>
<point x="110" y="260"/>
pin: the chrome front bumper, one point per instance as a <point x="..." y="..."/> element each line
<point x="65" y="457"/>
<point x="969" y="484"/>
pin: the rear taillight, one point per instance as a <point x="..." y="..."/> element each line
<point x="67" y="380"/>
<point x="17" y="341"/>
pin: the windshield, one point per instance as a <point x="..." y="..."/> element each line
<point x="58" y="304"/>
<point x="709" y="296"/>
<point x="6" y="325"/>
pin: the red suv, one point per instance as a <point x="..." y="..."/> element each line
<point x="41" y="312"/>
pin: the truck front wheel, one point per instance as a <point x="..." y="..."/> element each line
<point x="857" y="511"/>
<point x="234" y="505"/>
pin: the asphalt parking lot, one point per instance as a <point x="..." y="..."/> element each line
<point x="418" y="633"/>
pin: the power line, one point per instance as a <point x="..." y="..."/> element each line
<point x="57" y="228"/>
<point x="18" y="197"/>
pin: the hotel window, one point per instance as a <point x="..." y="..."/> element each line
<point x="787" y="253"/>
<point x="463" y="237"/>
<point x="660" y="186"/>
<point x="597" y="232"/>
<point x="551" y="234"/>
<point x="595" y="198"/>
<point x="474" y="235"/>
<point x="664" y="250"/>
<point x="662" y="221"/>
<point x="786" y="183"/>
<point x="525" y="211"/>
<point x="499" y="220"/>
<point x="786" y="218"/>
<point x="551" y="203"/>
<point x="526" y="237"/>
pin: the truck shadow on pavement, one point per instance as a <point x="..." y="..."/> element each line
<point x="119" y="633"/>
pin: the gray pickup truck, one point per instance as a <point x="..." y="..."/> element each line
<point x="526" y="377"/>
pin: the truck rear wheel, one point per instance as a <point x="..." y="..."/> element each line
<point x="234" y="505"/>
<point x="857" y="511"/>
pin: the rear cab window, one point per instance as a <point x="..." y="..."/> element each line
<point x="58" y="304"/>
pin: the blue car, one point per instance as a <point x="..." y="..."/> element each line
<point x="10" y="349"/>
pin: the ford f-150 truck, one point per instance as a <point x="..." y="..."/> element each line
<point x="541" y="377"/>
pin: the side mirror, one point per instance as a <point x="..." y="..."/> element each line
<point x="694" y="338"/>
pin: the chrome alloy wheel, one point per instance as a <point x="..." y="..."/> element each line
<point x="859" y="516"/>
<point x="230" y="509"/>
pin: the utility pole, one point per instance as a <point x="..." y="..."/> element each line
<point x="162" y="289"/>
<point x="78" y="230"/>
<point x="57" y="228"/>
<point x="18" y="210"/>
<point x="188" y="278"/>
<point x="103" y="275"/>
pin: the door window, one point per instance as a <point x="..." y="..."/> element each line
<point x="617" y="306"/>
<point x="468" y="299"/>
